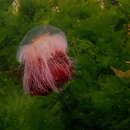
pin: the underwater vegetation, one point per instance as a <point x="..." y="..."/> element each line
<point x="98" y="45"/>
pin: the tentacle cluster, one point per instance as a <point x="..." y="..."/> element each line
<point x="46" y="64"/>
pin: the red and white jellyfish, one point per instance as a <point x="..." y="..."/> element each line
<point x="43" y="52"/>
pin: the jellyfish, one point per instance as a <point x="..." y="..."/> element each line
<point x="43" y="53"/>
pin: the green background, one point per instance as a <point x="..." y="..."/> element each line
<point x="95" y="99"/>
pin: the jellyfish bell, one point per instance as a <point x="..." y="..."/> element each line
<point x="43" y="51"/>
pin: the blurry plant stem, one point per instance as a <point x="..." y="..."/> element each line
<point x="128" y="62"/>
<point x="101" y="3"/>
<point x="120" y="73"/>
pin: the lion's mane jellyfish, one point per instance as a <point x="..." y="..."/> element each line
<point x="43" y="52"/>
